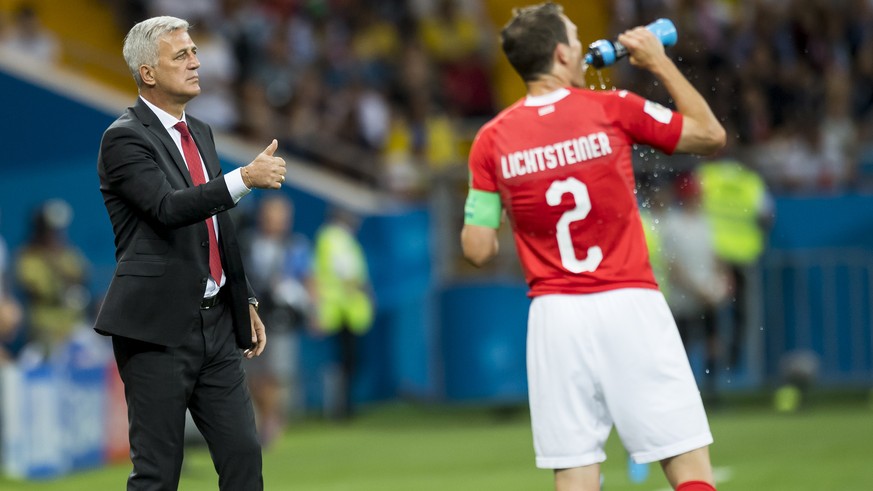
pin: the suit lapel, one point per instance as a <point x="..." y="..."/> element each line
<point x="150" y="121"/>
<point x="199" y="132"/>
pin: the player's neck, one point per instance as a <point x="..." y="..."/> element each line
<point x="546" y="85"/>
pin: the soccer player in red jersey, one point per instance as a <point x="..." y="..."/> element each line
<point x="602" y="347"/>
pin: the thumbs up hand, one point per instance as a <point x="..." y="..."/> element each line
<point x="266" y="171"/>
<point x="271" y="148"/>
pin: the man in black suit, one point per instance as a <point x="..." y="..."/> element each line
<point x="179" y="308"/>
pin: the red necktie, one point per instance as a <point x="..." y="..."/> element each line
<point x="195" y="168"/>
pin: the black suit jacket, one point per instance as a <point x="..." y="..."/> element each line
<point x="161" y="239"/>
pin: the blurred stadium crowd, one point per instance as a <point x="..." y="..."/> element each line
<point x="390" y="91"/>
<point x="373" y="89"/>
<point x="792" y="81"/>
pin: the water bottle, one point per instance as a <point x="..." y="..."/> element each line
<point x="637" y="473"/>
<point x="603" y="52"/>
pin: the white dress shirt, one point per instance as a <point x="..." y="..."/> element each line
<point x="235" y="185"/>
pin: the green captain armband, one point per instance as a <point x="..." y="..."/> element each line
<point x="482" y="208"/>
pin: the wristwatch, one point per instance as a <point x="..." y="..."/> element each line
<point x="253" y="301"/>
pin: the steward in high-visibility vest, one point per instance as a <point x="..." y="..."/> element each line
<point x="342" y="281"/>
<point x="735" y="200"/>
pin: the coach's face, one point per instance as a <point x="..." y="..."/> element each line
<point x="175" y="74"/>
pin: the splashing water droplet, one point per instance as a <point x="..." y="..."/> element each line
<point x="600" y="78"/>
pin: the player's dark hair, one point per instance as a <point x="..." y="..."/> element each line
<point x="530" y="37"/>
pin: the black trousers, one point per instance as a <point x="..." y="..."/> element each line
<point x="204" y="375"/>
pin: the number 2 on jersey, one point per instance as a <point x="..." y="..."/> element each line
<point x="579" y="191"/>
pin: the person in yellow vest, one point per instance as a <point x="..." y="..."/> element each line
<point x="344" y="302"/>
<point x="740" y="211"/>
<point x="52" y="273"/>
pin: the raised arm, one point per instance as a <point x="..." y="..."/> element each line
<point x="701" y="131"/>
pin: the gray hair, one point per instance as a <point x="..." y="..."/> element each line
<point x="141" y="43"/>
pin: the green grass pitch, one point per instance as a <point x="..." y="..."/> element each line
<point x="402" y="447"/>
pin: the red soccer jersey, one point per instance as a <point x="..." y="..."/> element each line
<point x="562" y="165"/>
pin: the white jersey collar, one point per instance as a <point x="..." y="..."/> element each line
<point x="545" y="99"/>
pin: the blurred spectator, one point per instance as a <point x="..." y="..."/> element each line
<point x="216" y="103"/>
<point x="422" y="139"/>
<point x="129" y="12"/>
<point x="373" y="116"/>
<point x="302" y="119"/>
<point x="269" y="86"/>
<point x="403" y="171"/>
<point x="792" y="77"/>
<point x="755" y="125"/>
<point x="358" y="114"/>
<point x="345" y="307"/>
<point x="797" y="161"/>
<point x="839" y="132"/>
<point x="698" y="280"/>
<point x="279" y="267"/>
<point x="739" y="208"/>
<point x="450" y="34"/>
<point x="345" y="111"/>
<point x="457" y="42"/>
<point x="189" y="9"/>
<point x="375" y="43"/>
<point x="27" y="37"/>
<point x="354" y="85"/>
<point x="51" y="274"/>
<point x="865" y="156"/>
<point x="10" y="311"/>
<point x="246" y="25"/>
<point x="328" y="74"/>
<point x="862" y="95"/>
